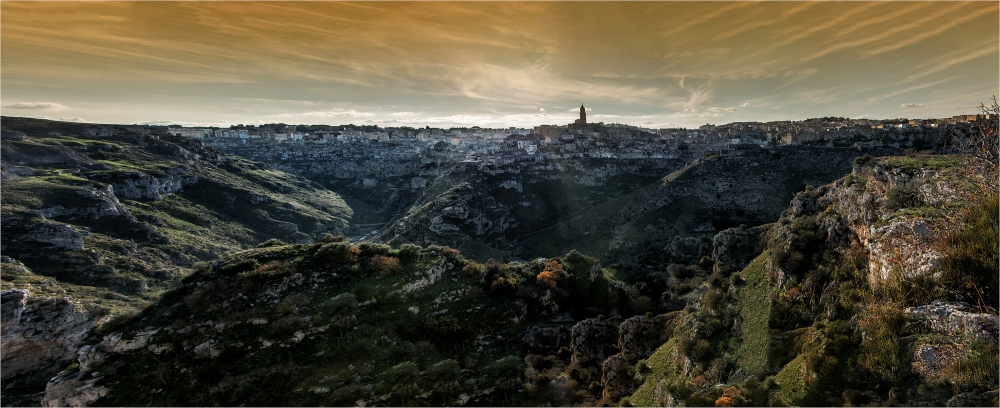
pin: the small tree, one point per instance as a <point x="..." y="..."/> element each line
<point x="983" y="147"/>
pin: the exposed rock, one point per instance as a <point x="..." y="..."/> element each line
<point x="931" y="360"/>
<point x="736" y="247"/>
<point x="955" y="318"/>
<point x="594" y="340"/>
<point x="640" y="336"/>
<point x="971" y="399"/>
<point x="616" y="379"/>
<point x="72" y="391"/>
<point x="39" y="335"/>
<point x="690" y="248"/>
<point x="140" y="185"/>
<point x="30" y="228"/>
<point x="547" y="339"/>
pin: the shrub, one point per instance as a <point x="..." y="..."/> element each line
<point x="903" y="196"/>
<point x="291" y="303"/>
<point x="471" y="269"/>
<point x="330" y="238"/>
<point x="338" y="253"/>
<point x="862" y="160"/>
<point x="444" y="326"/>
<point x="550" y="275"/>
<point x="273" y="242"/>
<point x="408" y="253"/>
<point x="381" y="265"/>
<point x="117" y="320"/>
<point x="237" y="266"/>
<point x="371" y="249"/>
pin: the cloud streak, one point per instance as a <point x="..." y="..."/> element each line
<point x="34" y="105"/>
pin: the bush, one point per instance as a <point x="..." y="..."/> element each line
<point x="551" y="274"/>
<point x="330" y="238"/>
<point x="903" y="196"/>
<point x="444" y="326"/>
<point x="381" y="265"/>
<point x="862" y="160"/>
<point x="471" y="269"/>
<point x="372" y="249"/>
<point x="117" y="320"/>
<point x="237" y="266"/>
<point x="338" y="253"/>
<point x="273" y="242"/>
<point x="408" y="253"/>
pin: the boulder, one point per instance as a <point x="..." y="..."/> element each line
<point x="955" y="318"/>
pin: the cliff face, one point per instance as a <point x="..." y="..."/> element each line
<point x="862" y="295"/>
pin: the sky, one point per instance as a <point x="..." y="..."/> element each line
<point x="495" y="64"/>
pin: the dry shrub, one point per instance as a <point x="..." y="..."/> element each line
<point x="382" y="265"/>
<point x="472" y="268"/>
<point x="550" y="275"/>
<point x="731" y="397"/>
<point x="339" y="253"/>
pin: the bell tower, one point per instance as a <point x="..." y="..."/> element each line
<point x="583" y="115"/>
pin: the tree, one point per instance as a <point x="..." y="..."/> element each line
<point x="983" y="147"/>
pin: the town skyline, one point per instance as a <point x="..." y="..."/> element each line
<point x="522" y="64"/>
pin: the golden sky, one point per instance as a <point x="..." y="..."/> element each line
<point x="492" y="64"/>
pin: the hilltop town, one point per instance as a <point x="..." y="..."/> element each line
<point x="579" y="139"/>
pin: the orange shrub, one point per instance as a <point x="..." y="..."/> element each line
<point x="549" y="275"/>
<point x="382" y="265"/>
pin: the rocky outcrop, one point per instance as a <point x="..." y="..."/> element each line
<point x="140" y="185"/>
<point x="736" y="247"/>
<point x="640" y="336"/>
<point x="39" y="335"/>
<point x="860" y="205"/>
<point x="32" y="228"/>
<point x="96" y="203"/>
<point x="593" y="340"/>
<point x="955" y="318"/>
<point x="616" y="379"/>
<point x="547" y="339"/>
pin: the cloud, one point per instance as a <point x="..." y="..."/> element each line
<point x="35" y="105"/>
<point x="335" y="113"/>
<point x="64" y="119"/>
<point x="541" y="109"/>
<point x="911" y="105"/>
<point x="404" y="114"/>
<point x="718" y="109"/>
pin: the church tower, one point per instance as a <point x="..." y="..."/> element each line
<point x="583" y="115"/>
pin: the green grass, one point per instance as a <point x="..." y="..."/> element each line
<point x="663" y="371"/>
<point x="792" y="386"/>
<point x="755" y="311"/>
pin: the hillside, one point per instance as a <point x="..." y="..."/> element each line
<point x="109" y="218"/>
<point x="483" y="210"/>
<point x="873" y="289"/>
<point x="879" y="289"/>
<point x="673" y="219"/>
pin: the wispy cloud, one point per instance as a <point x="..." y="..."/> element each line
<point x="35" y="105"/>
<point x="911" y="105"/>
<point x="335" y="113"/>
